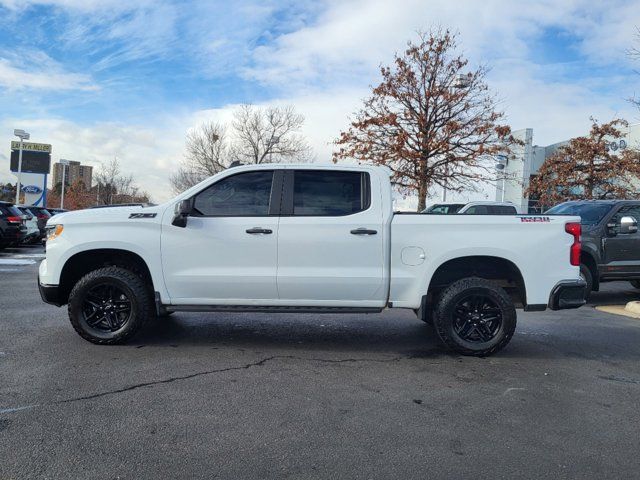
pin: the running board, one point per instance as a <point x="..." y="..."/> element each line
<point x="268" y="309"/>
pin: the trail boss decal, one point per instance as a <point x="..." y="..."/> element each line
<point x="142" y="215"/>
<point x="535" y="219"/>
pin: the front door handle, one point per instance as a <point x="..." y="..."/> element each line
<point x="255" y="230"/>
<point x="363" y="231"/>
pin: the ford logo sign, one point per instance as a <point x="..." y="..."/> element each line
<point x="31" y="189"/>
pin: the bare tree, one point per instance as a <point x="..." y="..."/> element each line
<point x="267" y="135"/>
<point x="115" y="187"/>
<point x="431" y="121"/>
<point x="207" y="154"/>
<point x="183" y="179"/>
<point x="258" y="135"/>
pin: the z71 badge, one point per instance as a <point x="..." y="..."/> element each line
<point x="142" y="215"/>
<point x="534" y="219"/>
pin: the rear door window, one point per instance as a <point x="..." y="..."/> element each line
<point x="330" y="193"/>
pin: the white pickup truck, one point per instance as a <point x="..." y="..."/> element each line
<point x="308" y="238"/>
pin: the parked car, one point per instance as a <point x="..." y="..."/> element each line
<point x="610" y="240"/>
<point x="472" y="208"/>
<point x="307" y="238"/>
<point x="56" y="211"/>
<point x="43" y="215"/>
<point x="443" y="208"/>
<point x="31" y="222"/>
<point x="12" y="225"/>
<point x="489" y="208"/>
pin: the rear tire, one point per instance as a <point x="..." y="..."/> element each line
<point x="474" y="316"/>
<point x="586" y="275"/>
<point x="109" y="305"/>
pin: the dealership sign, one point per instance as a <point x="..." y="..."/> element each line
<point x="33" y="189"/>
<point x="36" y="157"/>
<point x="32" y="147"/>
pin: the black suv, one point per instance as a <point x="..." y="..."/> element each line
<point x="610" y="240"/>
<point x="12" y="227"/>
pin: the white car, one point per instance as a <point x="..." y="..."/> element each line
<point x="308" y="238"/>
<point x="31" y="222"/>
<point x="473" y="208"/>
<point x="489" y="208"/>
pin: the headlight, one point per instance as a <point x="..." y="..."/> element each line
<point x="54" y="231"/>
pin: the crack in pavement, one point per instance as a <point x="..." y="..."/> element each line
<point x="246" y="366"/>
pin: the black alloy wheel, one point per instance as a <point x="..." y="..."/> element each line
<point x="106" y="307"/>
<point x="477" y="318"/>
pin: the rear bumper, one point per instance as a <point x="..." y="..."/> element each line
<point x="50" y="293"/>
<point x="568" y="294"/>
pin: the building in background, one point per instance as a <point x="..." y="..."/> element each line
<point x="75" y="171"/>
<point x="525" y="160"/>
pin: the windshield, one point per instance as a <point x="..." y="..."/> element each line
<point x="590" y="213"/>
<point x="443" y="209"/>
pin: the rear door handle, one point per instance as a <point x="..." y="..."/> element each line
<point x="363" y="231"/>
<point x="255" y="230"/>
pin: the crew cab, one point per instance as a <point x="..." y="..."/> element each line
<point x="308" y="238"/>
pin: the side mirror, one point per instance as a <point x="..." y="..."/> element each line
<point x="182" y="211"/>
<point x="628" y="225"/>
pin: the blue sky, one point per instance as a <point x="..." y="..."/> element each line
<point x="107" y="78"/>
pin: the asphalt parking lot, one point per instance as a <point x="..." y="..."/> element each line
<point x="243" y="396"/>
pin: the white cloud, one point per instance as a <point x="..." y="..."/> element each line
<point x="355" y="36"/>
<point x="35" y="70"/>
<point x="147" y="152"/>
<point x="343" y="47"/>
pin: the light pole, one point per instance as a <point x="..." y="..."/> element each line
<point x="64" y="164"/>
<point x="444" y="188"/>
<point x="501" y="164"/>
<point x="22" y="135"/>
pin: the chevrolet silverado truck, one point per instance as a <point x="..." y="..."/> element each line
<point x="308" y="238"/>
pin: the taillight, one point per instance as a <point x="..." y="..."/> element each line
<point x="42" y="216"/>
<point x="574" y="229"/>
<point x="14" y="219"/>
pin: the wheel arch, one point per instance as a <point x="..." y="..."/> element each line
<point x="589" y="259"/>
<point x="81" y="263"/>
<point x="499" y="269"/>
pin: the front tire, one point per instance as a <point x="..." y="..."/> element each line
<point x="109" y="305"/>
<point x="474" y="316"/>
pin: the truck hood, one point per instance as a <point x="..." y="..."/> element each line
<point x="106" y="215"/>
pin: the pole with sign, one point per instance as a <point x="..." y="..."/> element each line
<point x="22" y="135"/>
<point x="30" y="162"/>
<point x="64" y="164"/>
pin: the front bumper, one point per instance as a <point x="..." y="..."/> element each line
<point x="50" y="293"/>
<point x="568" y="294"/>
